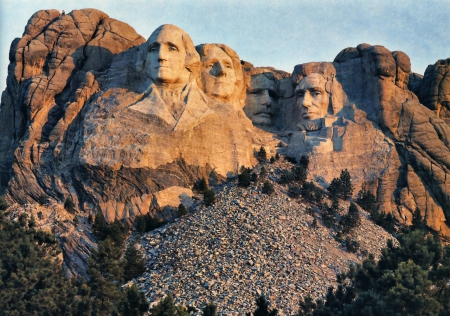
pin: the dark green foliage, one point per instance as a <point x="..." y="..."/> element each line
<point x="412" y="279"/>
<point x="146" y="223"/>
<point x="42" y="200"/>
<point x="134" y="262"/>
<point x="350" y="220"/>
<point x="31" y="279"/>
<point x="244" y="177"/>
<point x="342" y="186"/>
<point x="200" y="185"/>
<point x="167" y="307"/>
<point x="100" y="226"/>
<point x="40" y="215"/>
<point x="133" y="302"/>
<point x="262" y="308"/>
<point x="311" y="192"/>
<point x="3" y="204"/>
<point x="277" y="156"/>
<point x="387" y="221"/>
<point x="209" y="197"/>
<point x="351" y="244"/>
<point x="314" y="223"/>
<point x="307" y="307"/>
<point x="366" y="199"/>
<point x="262" y="173"/>
<point x="328" y="215"/>
<point x="106" y="272"/>
<point x="286" y="177"/>
<point x="272" y="159"/>
<point x="418" y="222"/>
<point x="262" y="155"/>
<point x="254" y="177"/>
<point x="290" y="159"/>
<point x="304" y="162"/>
<point x="299" y="173"/>
<point x="114" y="231"/>
<point x="69" y="206"/>
<point x="294" y="191"/>
<point x="268" y="188"/>
<point x="210" y="309"/>
<point x="182" y="210"/>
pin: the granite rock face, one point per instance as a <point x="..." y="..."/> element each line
<point x="125" y="126"/>
<point x="377" y="129"/>
<point x="435" y="89"/>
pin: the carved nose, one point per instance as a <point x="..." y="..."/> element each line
<point x="218" y="70"/>
<point x="266" y="100"/>
<point x="306" y="101"/>
<point x="162" y="54"/>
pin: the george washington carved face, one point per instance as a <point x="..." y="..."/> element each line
<point x="170" y="56"/>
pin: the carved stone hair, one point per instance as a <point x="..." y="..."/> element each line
<point x="239" y="91"/>
<point x="192" y="60"/>
<point x="332" y="86"/>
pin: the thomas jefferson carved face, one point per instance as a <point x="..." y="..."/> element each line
<point x="218" y="74"/>
<point x="312" y="97"/>
<point x="261" y="101"/>
<point x="166" y="57"/>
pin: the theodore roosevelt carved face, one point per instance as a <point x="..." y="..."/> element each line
<point x="312" y="97"/>
<point x="261" y="102"/>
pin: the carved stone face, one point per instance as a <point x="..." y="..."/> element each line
<point x="312" y="98"/>
<point x="165" y="63"/>
<point x="218" y="74"/>
<point x="261" y="100"/>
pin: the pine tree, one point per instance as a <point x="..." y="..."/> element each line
<point x="210" y="309"/>
<point x="201" y="185"/>
<point x="262" y="308"/>
<point x="351" y="220"/>
<point x="69" y="206"/>
<point x="304" y="162"/>
<point x="346" y="184"/>
<point x="133" y="302"/>
<point x="209" y="197"/>
<point x="244" y="177"/>
<point x="268" y="188"/>
<point x="262" y="155"/>
<point x="106" y="272"/>
<point x="3" y="203"/>
<point x="100" y="226"/>
<point x="167" y="307"/>
<point x="134" y="262"/>
<point x="182" y="210"/>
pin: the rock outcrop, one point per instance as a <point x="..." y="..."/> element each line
<point x="125" y="126"/>
<point x="435" y="89"/>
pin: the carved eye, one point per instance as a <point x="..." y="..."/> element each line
<point x="272" y="94"/>
<point x="301" y="94"/>
<point x="316" y="93"/>
<point x="173" y="49"/>
<point x="228" y="66"/>
<point x="153" y="49"/>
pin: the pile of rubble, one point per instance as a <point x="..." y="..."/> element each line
<point x="249" y="244"/>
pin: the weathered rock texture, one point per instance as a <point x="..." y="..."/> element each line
<point x="435" y="89"/>
<point x="81" y="118"/>
<point x="380" y="133"/>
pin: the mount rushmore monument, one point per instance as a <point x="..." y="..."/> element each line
<point x="94" y="112"/>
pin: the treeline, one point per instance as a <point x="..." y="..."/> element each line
<point x="32" y="280"/>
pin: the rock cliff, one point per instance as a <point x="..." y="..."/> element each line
<point x="125" y="126"/>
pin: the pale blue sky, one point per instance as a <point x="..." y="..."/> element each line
<point x="268" y="32"/>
